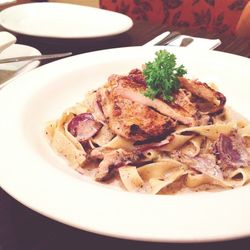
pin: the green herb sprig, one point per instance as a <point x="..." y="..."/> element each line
<point x="161" y="76"/>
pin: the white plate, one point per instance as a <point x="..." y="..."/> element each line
<point x="6" y="39"/>
<point x="61" y="20"/>
<point x="16" y="50"/>
<point x="32" y="173"/>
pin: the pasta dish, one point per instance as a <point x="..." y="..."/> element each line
<point x="187" y="141"/>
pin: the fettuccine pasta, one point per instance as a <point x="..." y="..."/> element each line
<point x="193" y="143"/>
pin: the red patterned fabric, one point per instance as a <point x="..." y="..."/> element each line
<point x="211" y="15"/>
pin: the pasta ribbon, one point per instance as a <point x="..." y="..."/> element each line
<point x="240" y="176"/>
<point x="103" y="137"/>
<point x="210" y="131"/>
<point x="159" y="170"/>
<point x="119" y="142"/>
<point x="245" y="133"/>
<point x="130" y="178"/>
<point x="177" y="141"/>
<point x="195" y="180"/>
<point x="64" y="143"/>
<point x="193" y="147"/>
<point x="164" y="186"/>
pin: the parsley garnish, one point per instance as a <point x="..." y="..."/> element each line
<point x="161" y="76"/>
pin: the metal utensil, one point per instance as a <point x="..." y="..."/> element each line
<point x="34" y="58"/>
<point x="186" y="41"/>
<point x="169" y="38"/>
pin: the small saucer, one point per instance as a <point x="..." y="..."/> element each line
<point x="17" y="68"/>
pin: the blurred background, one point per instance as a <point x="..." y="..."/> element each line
<point x="7" y="3"/>
<point x="94" y="3"/>
<point x="221" y="17"/>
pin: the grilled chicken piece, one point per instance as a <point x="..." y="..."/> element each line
<point x="133" y="86"/>
<point x="215" y="100"/>
<point x="136" y="117"/>
<point x="171" y="110"/>
<point x="183" y="98"/>
<point x="127" y="118"/>
<point x="186" y="105"/>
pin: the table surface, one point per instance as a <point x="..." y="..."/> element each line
<point x="22" y="228"/>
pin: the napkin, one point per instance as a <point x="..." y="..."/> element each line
<point x="198" y="42"/>
<point x="6" y="39"/>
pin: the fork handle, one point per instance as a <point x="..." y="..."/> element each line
<point x="169" y="38"/>
<point x="34" y="58"/>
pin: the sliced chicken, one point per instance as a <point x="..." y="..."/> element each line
<point x="128" y="118"/>
<point x="215" y="100"/>
<point x="171" y="110"/>
<point x="183" y="98"/>
<point x="134" y="116"/>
